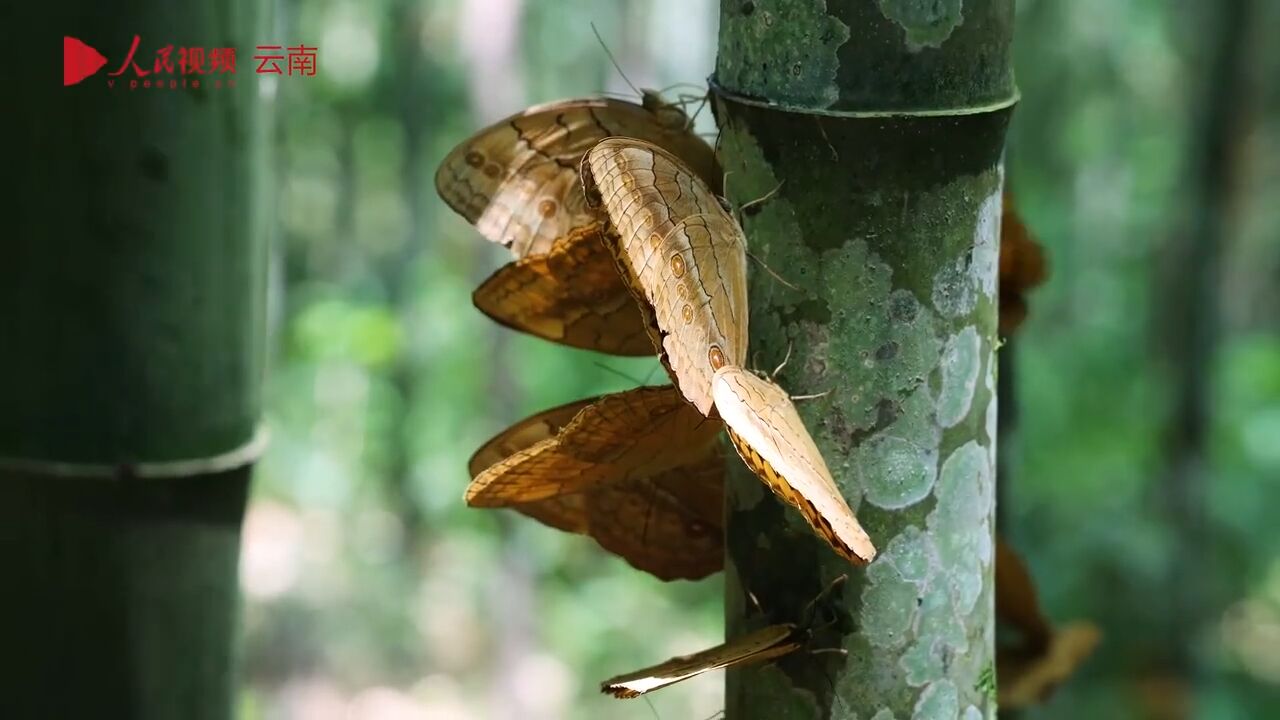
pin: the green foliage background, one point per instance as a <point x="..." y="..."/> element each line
<point x="371" y="591"/>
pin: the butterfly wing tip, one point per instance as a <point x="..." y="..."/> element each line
<point x="618" y="691"/>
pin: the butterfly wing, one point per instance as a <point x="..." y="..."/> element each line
<point x="640" y="432"/>
<point x="1017" y="603"/>
<point x="768" y="434"/>
<point x="571" y="295"/>
<point x="639" y="471"/>
<point x="764" y="644"/>
<point x="1022" y="267"/>
<point x="668" y="525"/>
<point x="682" y="254"/>
<point x="1027" y="679"/>
<point x="517" y="181"/>
<point x="524" y="434"/>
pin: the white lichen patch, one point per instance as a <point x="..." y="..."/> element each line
<point x="971" y="713"/>
<point x="926" y="585"/>
<point x="959" y="284"/>
<point x="892" y="340"/>
<point x="992" y="423"/>
<point x="973" y="274"/>
<point x="954" y="292"/>
<point x="961" y="521"/>
<point x="991" y="372"/>
<point x="883" y="714"/>
<point x="986" y="243"/>
<point x="959" y="365"/>
<point x="895" y="583"/>
<point x="939" y="701"/>
<point x="898" y="468"/>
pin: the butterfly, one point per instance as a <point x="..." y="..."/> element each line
<point x="769" y="436"/>
<point x="571" y="294"/>
<point x="767" y="643"/>
<point x="1046" y="656"/>
<point x="682" y="254"/>
<point x="1022" y="267"/>
<point x="517" y="180"/>
<point x="639" y="471"/>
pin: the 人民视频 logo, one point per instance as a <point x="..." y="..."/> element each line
<point x="180" y="66"/>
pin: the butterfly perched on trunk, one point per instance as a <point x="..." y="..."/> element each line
<point x="767" y="643"/>
<point x="681" y="253"/>
<point x="768" y="434"/>
<point x="1044" y="656"/>
<point x="517" y="182"/>
<point x="639" y="471"/>
<point x="570" y="294"/>
<point x="1022" y="267"/>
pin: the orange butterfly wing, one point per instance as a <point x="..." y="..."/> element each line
<point x="571" y="295"/>
<point x="638" y="471"/>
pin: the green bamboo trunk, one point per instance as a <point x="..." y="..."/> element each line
<point x="881" y="125"/>
<point x="132" y="307"/>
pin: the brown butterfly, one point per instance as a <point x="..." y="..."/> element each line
<point x="764" y="644"/>
<point x="639" y="471"/>
<point x="1022" y="267"/>
<point x="767" y="643"/>
<point x="1046" y="656"/>
<point x="683" y="255"/>
<point x="571" y="295"/>
<point x="517" y="180"/>
<point x="768" y="434"/>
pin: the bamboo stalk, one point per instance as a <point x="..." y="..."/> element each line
<point x="881" y="125"/>
<point x="132" y="294"/>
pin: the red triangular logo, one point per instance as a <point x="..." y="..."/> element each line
<point x="79" y="61"/>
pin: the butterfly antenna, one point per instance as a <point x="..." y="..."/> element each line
<point x="830" y="588"/>
<point x="673" y="86"/>
<point x="617" y="372"/>
<point x="652" y="709"/>
<point x="614" y="60"/>
<point x="813" y="396"/>
<point x="706" y="100"/>
<point x="782" y="364"/>
<point x="762" y="200"/>
<point x="769" y="270"/>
